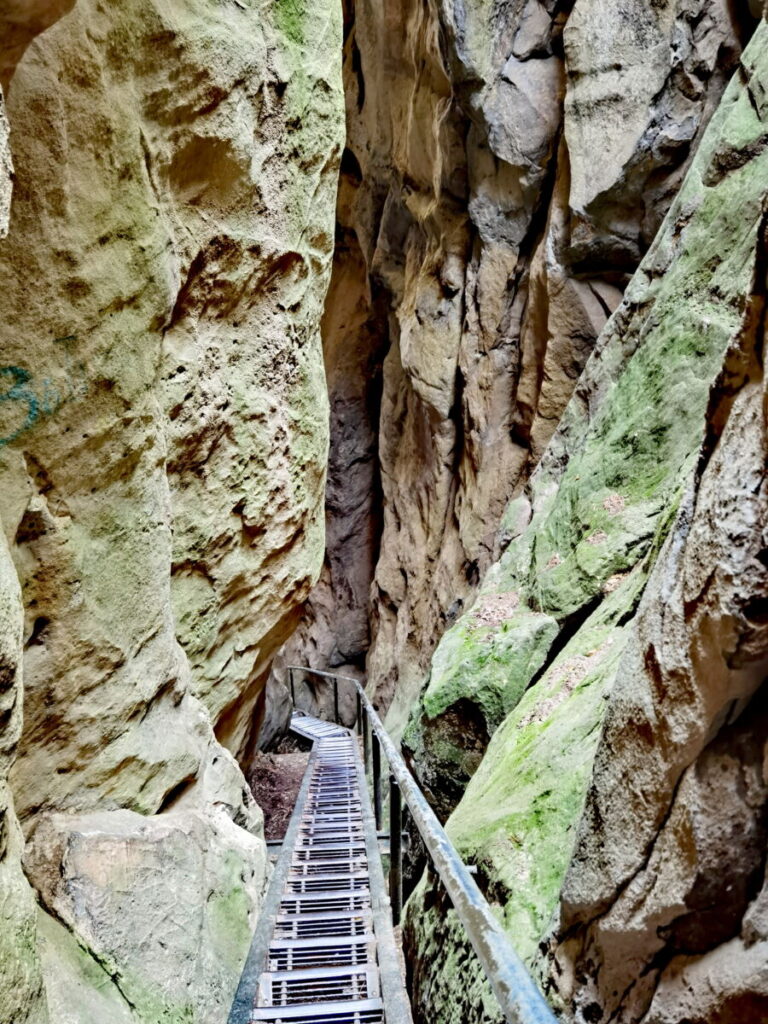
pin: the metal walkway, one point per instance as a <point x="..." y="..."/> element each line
<point x="324" y="950"/>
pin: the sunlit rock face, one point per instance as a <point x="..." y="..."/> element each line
<point x="618" y="816"/>
<point x="507" y="167"/>
<point x="163" y="449"/>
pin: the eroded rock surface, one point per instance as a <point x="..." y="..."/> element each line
<point x="507" y="167"/>
<point x="163" y="448"/>
<point x="335" y="629"/>
<point x="21" y="988"/>
<point x="6" y="171"/>
<point x="165" y="905"/>
<point x="618" y="817"/>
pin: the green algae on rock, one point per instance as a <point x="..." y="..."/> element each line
<point x="629" y="438"/>
<point x="479" y="673"/>
<point x="603" y="501"/>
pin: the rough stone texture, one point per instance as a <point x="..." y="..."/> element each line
<point x="6" y="171"/>
<point x="163" y="444"/>
<point x="21" y="990"/>
<point x="479" y="673"/>
<point x="78" y="988"/>
<point x="165" y="905"/>
<point x="335" y="629"/>
<point x="21" y="997"/>
<point x="632" y="429"/>
<point x="674" y="864"/>
<point x="482" y="256"/>
<point x="211" y="274"/>
<point x="619" y="816"/>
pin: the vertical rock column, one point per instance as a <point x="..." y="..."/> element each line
<point x="163" y="447"/>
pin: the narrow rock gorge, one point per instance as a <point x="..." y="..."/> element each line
<point x="481" y="249"/>
<point x="421" y="341"/>
<point x="555" y="218"/>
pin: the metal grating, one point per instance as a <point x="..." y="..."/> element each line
<point x="328" y="903"/>
<point x="310" y="926"/>
<point x="319" y="984"/>
<point x="353" y="952"/>
<point x="369" y="1011"/>
<point x="321" y="963"/>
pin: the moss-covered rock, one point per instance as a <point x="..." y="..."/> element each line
<point x="479" y="673"/>
<point x="602" y="503"/>
<point x="163" y="448"/>
<point x="613" y="474"/>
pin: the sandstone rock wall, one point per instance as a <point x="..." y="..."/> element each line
<point x="163" y="444"/>
<point x="21" y="987"/>
<point x="618" y="816"/>
<point x="507" y="166"/>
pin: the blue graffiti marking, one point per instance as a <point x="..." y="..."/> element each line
<point x="44" y="397"/>
<point x="19" y="392"/>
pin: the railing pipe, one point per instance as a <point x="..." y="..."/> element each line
<point x="366" y="737"/>
<point x="519" y="998"/>
<point x="395" y="851"/>
<point x="376" y="772"/>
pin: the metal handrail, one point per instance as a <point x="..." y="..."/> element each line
<point x="520" y="1000"/>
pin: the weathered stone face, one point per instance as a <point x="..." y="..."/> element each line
<point x="618" y="817"/>
<point x="165" y="904"/>
<point x="643" y="78"/>
<point x="6" y="171"/>
<point x="163" y="455"/>
<point x="507" y="167"/>
<point x="21" y="990"/>
<point x="163" y="448"/>
<point x="180" y="418"/>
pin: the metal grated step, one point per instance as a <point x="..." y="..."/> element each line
<point x="311" y="925"/>
<point x="321" y="963"/>
<point x="328" y="850"/>
<point x="327" y="903"/>
<point x="352" y="951"/>
<point x="302" y="883"/>
<point x="318" y="984"/>
<point x="317" y="866"/>
<point x="368" y="1011"/>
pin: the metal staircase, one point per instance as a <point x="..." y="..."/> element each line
<point x="324" y="951"/>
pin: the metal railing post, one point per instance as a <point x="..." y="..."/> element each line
<point x="336" y="700"/>
<point x="395" y="851"/>
<point x="376" y="780"/>
<point x="366" y="736"/>
<point x="293" y="687"/>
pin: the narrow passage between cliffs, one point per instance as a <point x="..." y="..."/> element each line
<point x="324" y="951"/>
